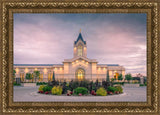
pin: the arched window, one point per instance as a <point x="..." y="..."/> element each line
<point x="49" y="76"/>
<point x="80" y="50"/>
<point x="80" y="74"/>
<point x="41" y="77"/>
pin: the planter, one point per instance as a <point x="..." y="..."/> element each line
<point x="28" y="84"/>
<point x="131" y="85"/>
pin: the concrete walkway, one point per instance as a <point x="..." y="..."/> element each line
<point x="29" y="94"/>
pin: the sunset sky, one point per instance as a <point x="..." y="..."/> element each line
<point x="111" y="38"/>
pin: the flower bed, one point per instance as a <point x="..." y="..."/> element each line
<point x="83" y="88"/>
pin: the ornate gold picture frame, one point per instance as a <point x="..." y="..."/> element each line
<point x="9" y="7"/>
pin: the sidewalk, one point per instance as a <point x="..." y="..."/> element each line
<point x="28" y="94"/>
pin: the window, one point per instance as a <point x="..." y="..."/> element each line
<point x="22" y="77"/>
<point x="80" y="50"/>
<point x="80" y="74"/>
<point x="49" y="76"/>
<point x="41" y="77"/>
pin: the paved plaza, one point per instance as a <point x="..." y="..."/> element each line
<point x="29" y="94"/>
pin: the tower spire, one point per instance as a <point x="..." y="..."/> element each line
<point x="80" y="30"/>
<point x="80" y="38"/>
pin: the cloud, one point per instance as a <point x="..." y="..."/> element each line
<point x="111" y="38"/>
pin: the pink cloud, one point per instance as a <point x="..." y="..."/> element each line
<point x="50" y="40"/>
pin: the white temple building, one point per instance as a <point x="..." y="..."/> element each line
<point x="78" y="68"/>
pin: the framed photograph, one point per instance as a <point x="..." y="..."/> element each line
<point x="72" y="57"/>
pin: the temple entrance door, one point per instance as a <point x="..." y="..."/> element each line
<point x="80" y="74"/>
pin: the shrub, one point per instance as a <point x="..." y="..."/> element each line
<point x="94" y="86"/>
<point x="46" y="92"/>
<point x="47" y="88"/>
<point x="28" y="76"/>
<point x="41" y="83"/>
<point x="15" y="84"/>
<point x="119" y="88"/>
<point x="101" y="91"/>
<point x="81" y="90"/>
<point x="84" y="83"/>
<point x="97" y="85"/>
<point x="135" y="81"/>
<point x="141" y="84"/>
<point x="67" y="84"/>
<point x="121" y="83"/>
<point x="65" y="87"/>
<point x="106" y="84"/>
<point x="112" y="79"/>
<point x="120" y="77"/>
<point x="145" y="83"/>
<point x="53" y="83"/>
<point x="41" y="87"/>
<point x="112" y="89"/>
<point x="57" y="90"/>
<point x="40" y="92"/>
<point x="92" y="92"/>
<point x="73" y="85"/>
<point x="128" y="77"/>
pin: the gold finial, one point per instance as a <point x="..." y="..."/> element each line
<point x="80" y="30"/>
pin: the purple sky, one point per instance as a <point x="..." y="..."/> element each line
<point x="111" y="38"/>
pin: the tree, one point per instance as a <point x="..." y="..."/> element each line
<point x="53" y="77"/>
<point x="128" y="77"/>
<point x="14" y="74"/>
<point x="120" y="77"/>
<point x="28" y="76"/>
<point x="32" y="75"/>
<point x="36" y="75"/>
<point x="108" y="76"/>
<point x="112" y="79"/>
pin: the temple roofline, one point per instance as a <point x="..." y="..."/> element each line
<point x="37" y="64"/>
<point x="109" y="64"/>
